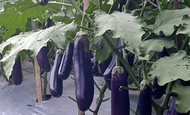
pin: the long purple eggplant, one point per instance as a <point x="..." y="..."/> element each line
<point x="16" y="74"/>
<point x="144" y="106"/>
<point x="66" y="62"/>
<point x="172" y="110"/>
<point x="56" y="84"/>
<point x="103" y="65"/>
<point x="120" y="104"/>
<point x="43" y="60"/>
<point x="83" y="75"/>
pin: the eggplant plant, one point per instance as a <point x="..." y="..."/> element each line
<point x="137" y="23"/>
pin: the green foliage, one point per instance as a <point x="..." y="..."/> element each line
<point x="168" y="19"/>
<point x="122" y="25"/>
<point x="149" y="47"/>
<point x="171" y="68"/>
<point x="15" y="16"/>
<point x="182" y="102"/>
<point x="34" y="41"/>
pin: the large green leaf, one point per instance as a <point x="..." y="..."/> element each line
<point x="171" y="68"/>
<point x="149" y="47"/>
<point x="182" y="102"/>
<point x="166" y="20"/>
<point x="122" y="25"/>
<point x="34" y="41"/>
<point x="15" y="15"/>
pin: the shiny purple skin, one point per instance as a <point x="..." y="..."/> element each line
<point x="43" y="2"/>
<point x="48" y="23"/>
<point x="172" y="110"/>
<point x="56" y="84"/>
<point x="103" y="65"/>
<point x="43" y="60"/>
<point x="17" y="72"/>
<point x="158" y="90"/>
<point x="120" y="104"/>
<point x="83" y="75"/>
<point x="66" y="62"/>
<point x="144" y="106"/>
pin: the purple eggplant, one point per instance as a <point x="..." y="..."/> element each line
<point x="144" y="106"/>
<point x="16" y="74"/>
<point x="83" y="75"/>
<point x="120" y="104"/>
<point x="48" y="23"/>
<point x="158" y="90"/>
<point x="56" y="84"/>
<point x="66" y="62"/>
<point x="43" y="60"/>
<point x="103" y="65"/>
<point x="172" y="110"/>
<point x="43" y="2"/>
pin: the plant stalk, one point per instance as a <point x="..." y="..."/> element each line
<point x="125" y="62"/>
<point x="100" y="98"/>
<point x="80" y="11"/>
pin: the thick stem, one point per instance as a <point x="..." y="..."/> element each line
<point x="166" y="100"/>
<point x="100" y="98"/>
<point x="185" y="43"/>
<point x="80" y="11"/>
<point x="61" y="3"/>
<point x="100" y="4"/>
<point x="45" y="85"/>
<point x="125" y="62"/>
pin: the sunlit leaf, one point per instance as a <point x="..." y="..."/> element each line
<point x="171" y="68"/>
<point x="182" y="102"/>
<point x="34" y="41"/>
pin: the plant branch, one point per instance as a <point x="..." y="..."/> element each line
<point x="80" y="11"/>
<point x="125" y="62"/>
<point x="61" y="3"/>
<point x="100" y="98"/>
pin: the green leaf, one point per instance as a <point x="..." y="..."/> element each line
<point x="184" y="28"/>
<point x="104" y="51"/>
<point x="15" y="15"/>
<point x="182" y="102"/>
<point x="122" y="25"/>
<point x="171" y="68"/>
<point x="148" y="47"/>
<point x="167" y="19"/>
<point x="34" y="41"/>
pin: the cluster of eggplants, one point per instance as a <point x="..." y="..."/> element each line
<point x="43" y="60"/>
<point x="144" y="106"/>
<point x="172" y="110"/>
<point x="16" y="74"/>
<point x="43" y="2"/>
<point x="83" y="75"/>
<point x="56" y="84"/>
<point x="120" y="104"/>
<point x="66" y="62"/>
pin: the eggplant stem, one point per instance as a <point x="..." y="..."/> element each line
<point x="128" y="88"/>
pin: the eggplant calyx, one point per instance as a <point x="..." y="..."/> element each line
<point x="144" y="83"/>
<point x="119" y="69"/>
